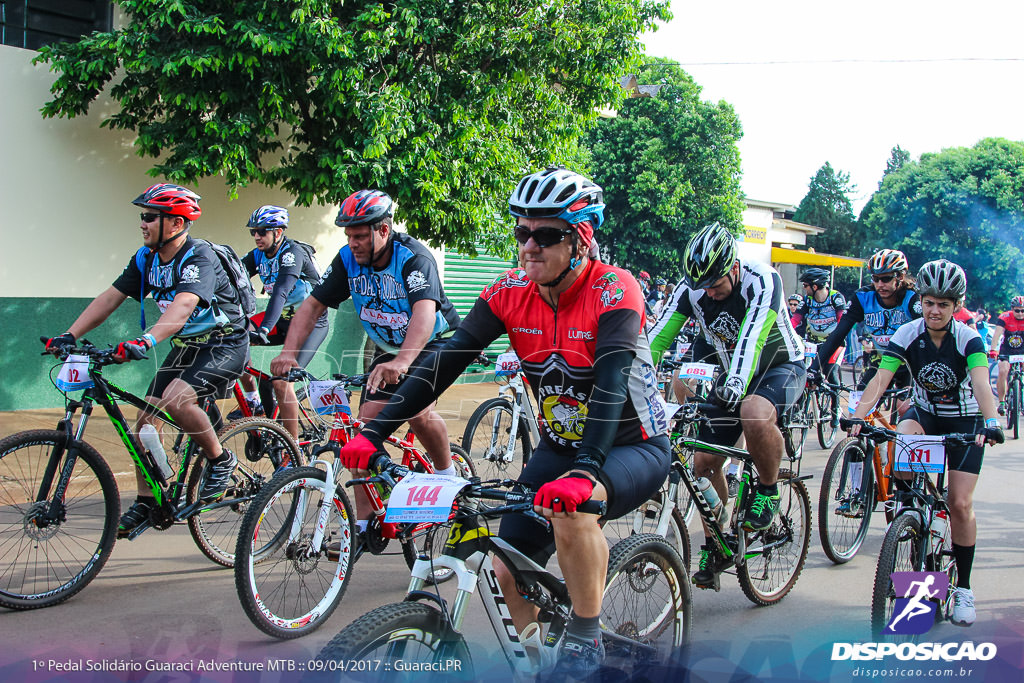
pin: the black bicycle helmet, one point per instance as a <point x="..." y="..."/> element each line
<point x="709" y="256"/>
<point x="816" y="276"/>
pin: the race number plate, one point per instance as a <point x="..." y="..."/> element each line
<point x="423" y="498"/>
<point x="507" y="364"/>
<point x="810" y="350"/>
<point x="671" y="409"/>
<point x="74" y="374"/>
<point x="1016" y="359"/>
<point x="854" y="401"/>
<point x="328" y="398"/>
<point x="920" y="453"/>
<point x="697" y="371"/>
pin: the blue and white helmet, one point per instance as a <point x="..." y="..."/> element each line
<point x="557" y="192"/>
<point x="269" y="217"/>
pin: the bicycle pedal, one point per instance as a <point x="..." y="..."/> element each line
<point x="715" y="584"/>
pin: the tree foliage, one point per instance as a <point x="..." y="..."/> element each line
<point x="442" y="104"/>
<point x="669" y="165"/>
<point x="963" y="204"/>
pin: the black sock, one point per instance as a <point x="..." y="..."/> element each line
<point x="964" y="557"/>
<point x="768" y="489"/>
<point x="146" y="500"/>
<point x="585" y="628"/>
<point x="223" y="457"/>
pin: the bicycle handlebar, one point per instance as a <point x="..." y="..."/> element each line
<point x="881" y="434"/>
<point x="100" y="356"/>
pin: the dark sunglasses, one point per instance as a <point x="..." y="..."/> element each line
<point x="149" y="217"/>
<point x="262" y="232"/>
<point x="1018" y="310"/>
<point x="543" y="237"/>
<point x="884" y="279"/>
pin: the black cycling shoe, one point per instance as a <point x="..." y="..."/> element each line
<point x="762" y="510"/>
<point x="133" y="517"/>
<point x="218" y="477"/>
<point x="706" y="577"/>
<point x="733" y="483"/>
<point x="578" y="659"/>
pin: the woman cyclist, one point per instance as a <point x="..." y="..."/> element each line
<point x="951" y="394"/>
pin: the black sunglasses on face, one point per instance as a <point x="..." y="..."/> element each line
<point x="543" y="237"/>
<point x="149" y="217"/>
<point x="259" y="231"/>
<point x="884" y="279"/>
<point x="1018" y="310"/>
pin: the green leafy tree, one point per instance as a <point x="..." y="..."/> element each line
<point x="669" y="165"/>
<point x="828" y="205"/>
<point x="442" y="104"/>
<point x="898" y="158"/>
<point x="965" y="204"/>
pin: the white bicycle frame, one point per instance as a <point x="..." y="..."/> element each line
<point x="522" y="406"/>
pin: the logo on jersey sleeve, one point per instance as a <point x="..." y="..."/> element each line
<point x="611" y="288"/>
<point x="288" y="259"/>
<point x="1015" y="341"/>
<point x="190" y="274"/>
<point x="725" y="327"/>
<point x="416" y="281"/>
<point x="511" y="279"/>
<point x="917" y="307"/>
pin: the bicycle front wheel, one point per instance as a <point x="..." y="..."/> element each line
<point x="44" y="561"/>
<point x="776" y="555"/>
<point x="646" y="598"/>
<point x="801" y="418"/>
<point x="1014" y="408"/>
<point x="901" y="552"/>
<point x="845" y="500"/>
<point x="263" y="447"/>
<point x="287" y="587"/>
<point x="384" y="638"/>
<point x="487" y="440"/>
<point x="828" y="418"/>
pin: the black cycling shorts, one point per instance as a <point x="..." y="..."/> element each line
<point x="781" y="385"/>
<point x="426" y="355"/>
<point x="958" y="456"/>
<point x="210" y="368"/>
<point x="631" y="473"/>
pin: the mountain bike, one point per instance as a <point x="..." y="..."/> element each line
<point x="59" y="504"/>
<point x="767" y="563"/>
<point x="857" y="478"/>
<point x="645" y="615"/>
<point x="908" y="545"/>
<point x="818" y="408"/>
<point x="296" y="545"/>
<point x="502" y="432"/>
<point x="1014" y="393"/>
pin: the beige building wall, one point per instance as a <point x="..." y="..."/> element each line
<point x="67" y="224"/>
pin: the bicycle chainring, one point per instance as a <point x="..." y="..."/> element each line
<point x="373" y="539"/>
<point x="161" y="517"/>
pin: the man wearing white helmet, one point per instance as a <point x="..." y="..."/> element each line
<point x="577" y="326"/>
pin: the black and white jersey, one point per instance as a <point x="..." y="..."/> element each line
<point x="942" y="375"/>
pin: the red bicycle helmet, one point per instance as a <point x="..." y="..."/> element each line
<point x="173" y="200"/>
<point x="364" y="207"/>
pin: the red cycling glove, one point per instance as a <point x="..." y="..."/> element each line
<point x="132" y="350"/>
<point x="993" y="353"/>
<point x="563" y="495"/>
<point x="357" y="453"/>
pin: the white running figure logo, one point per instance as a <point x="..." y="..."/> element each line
<point x="916" y="606"/>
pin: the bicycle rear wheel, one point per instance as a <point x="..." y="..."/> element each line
<point x="776" y="555"/>
<point x="646" y="519"/>
<point x="288" y="588"/>
<point x="486" y="440"/>
<point x="646" y="598"/>
<point x="828" y="418"/>
<point x="845" y="501"/>
<point x="263" y="447"/>
<point x="410" y="632"/>
<point x="900" y="553"/>
<point x="42" y="562"/>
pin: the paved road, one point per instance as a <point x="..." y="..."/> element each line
<point x="159" y="602"/>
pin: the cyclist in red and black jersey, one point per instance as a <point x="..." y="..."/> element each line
<point x="577" y="326"/>
<point x="1007" y="340"/>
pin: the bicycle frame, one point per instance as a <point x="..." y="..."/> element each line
<point x="522" y="406"/>
<point x="309" y="430"/>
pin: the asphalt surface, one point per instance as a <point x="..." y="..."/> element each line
<point x="160" y="605"/>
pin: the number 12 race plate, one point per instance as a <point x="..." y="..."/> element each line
<point x="423" y="498"/>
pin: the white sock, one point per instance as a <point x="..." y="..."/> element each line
<point x="361" y="525"/>
<point x="252" y="396"/>
<point x="450" y="470"/>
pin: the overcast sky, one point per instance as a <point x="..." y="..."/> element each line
<point x="844" y="96"/>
